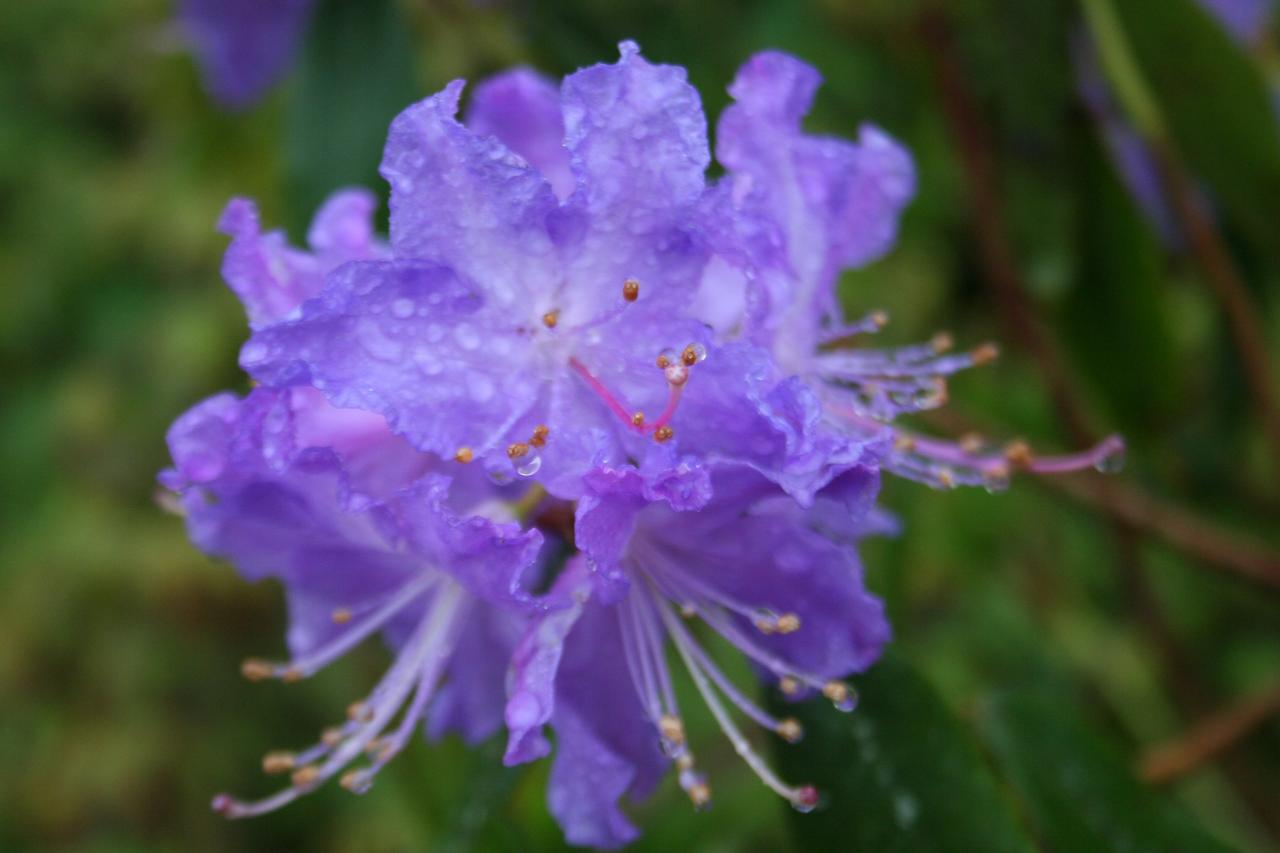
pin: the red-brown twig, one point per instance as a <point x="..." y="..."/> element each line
<point x="1177" y="527"/>
<point x="1228" y="286"/>
<point x="1209" y="738"/>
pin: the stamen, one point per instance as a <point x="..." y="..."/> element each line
<point x="637" y="420"/>
<point x="304" y="776"/>
<point x="550" y="319"/>
<point x="790" y="730"/>
<point x="984" y="354"/>
<point x="515" y="451"/>
<point x="631" y="290"/>
<point x="539" y="438"/>
<point x="464" y="455"/>
<point x="941" y="342"/>
<point x="788" y="685"/>
<point x="788" y="623"/>
<point x="359" y="712"/>
<point x="341" y="616"/>
<point x="257" y="669"/>
<point x="278" y="761"/>
<point x="740" y="743"/>
<point x="663" y="434"/>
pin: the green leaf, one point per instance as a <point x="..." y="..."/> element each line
<point x="1214" y="104"/>
<point x="356" y="74"/>
<point x="1079" y="791"/>
<point x="898" y="774"/>
<point x="1115" y="312"/>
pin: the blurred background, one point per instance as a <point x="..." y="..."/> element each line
<point x="1088" y="663"/>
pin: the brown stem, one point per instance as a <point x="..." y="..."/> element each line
<point x="1228" y="286"/>
<point x="1209" y="738"/>
<point x="1177" y="527"/>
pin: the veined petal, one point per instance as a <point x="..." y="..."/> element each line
<point x="465" y="200"/>
<point x="522" y="109"/>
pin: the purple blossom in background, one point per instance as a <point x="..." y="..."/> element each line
<point x="1245" y="20"/>
<point x="577" y="366"/>
<point x="243" y="46"/>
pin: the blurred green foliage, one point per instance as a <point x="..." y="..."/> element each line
<point x="1036" y="655"/>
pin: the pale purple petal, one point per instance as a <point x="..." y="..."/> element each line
<point x="522" y="109"/>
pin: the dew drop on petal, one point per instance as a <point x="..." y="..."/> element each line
<point x="402" y="308"/>
<point x="529" y="465"/>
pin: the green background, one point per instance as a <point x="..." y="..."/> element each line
<point x="1039" y="650"/>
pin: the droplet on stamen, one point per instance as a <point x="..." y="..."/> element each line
<point x="692" y="354"/>
<point x="357" y="781"/>
<point x="666" y="358"/>
<point x="676" y="374"/>
<point x="359" y="712"/>
<point x="996" y="478"/>
<point x="843" y="697"/>
<point x="880" y="319"/>
<point x="1112" y="463"/>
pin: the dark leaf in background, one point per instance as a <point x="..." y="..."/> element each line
<point x="1079" y="792"/>
<point x="898" y="774"/>
<point x="1115" y="313"/>
<point x="1216" y="105"/>
<point x="356" y="74"/>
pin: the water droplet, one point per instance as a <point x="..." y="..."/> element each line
<point x="253" y="353"/>
<point x="672" y="748"/>
<point x="529" y="465"/>
<point x="1112" y="463"/>
<point x="466" y="336"/>
<point x="845" y="704"/>
<point x="481" y="388"/>
<point x="402" y="308"/>
<point x="699" y="351"/>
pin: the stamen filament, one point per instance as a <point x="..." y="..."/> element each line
<point x="740" y="743"/>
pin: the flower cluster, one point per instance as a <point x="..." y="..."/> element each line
<point x="583" y="409"/>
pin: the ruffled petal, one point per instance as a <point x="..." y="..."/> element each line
<point x="606" y="515"/>
<point x="605" y="748"/>
<point x="536" y="662"/>
<point x="465" y="200"/>
<point x="808" y="206"/>
<point x="522" y="109"/>
<point x="407" y="340"/>
<point x="637" y="139"/>
<point x="272" y="278"/>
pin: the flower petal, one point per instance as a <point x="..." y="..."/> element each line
<point x="465" y="200"/>
<point x="522" y="109"/>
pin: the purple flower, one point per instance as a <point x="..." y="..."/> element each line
<point x="366" y="537"/>
<point x="243" y="46"/>
<point x="728" y="548"/>
<point x="541" y="289"/>
<point x="793" y="212"/>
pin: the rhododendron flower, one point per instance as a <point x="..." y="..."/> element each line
<point x="577" y="366"/>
